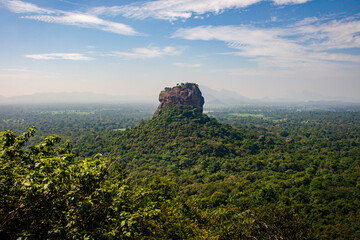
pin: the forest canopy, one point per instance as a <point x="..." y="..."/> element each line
<point x="231" y="174"/>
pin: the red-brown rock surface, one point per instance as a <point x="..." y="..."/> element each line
<point x="183" y="94"/>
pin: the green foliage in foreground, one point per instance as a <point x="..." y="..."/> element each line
<point x="46" y="193"/>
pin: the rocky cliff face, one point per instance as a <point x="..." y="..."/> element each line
<point x="183" y="94"/>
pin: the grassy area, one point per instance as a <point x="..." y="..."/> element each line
<point x="248" y="115"/>
<point x="119" y="129"/>
<point x="73" y="112"/>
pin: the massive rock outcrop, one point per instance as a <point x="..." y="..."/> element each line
<point x="182" y="94"/>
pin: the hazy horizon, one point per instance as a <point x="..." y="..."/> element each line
<point x="278" y="49"/>
<point x="223" y="97"/>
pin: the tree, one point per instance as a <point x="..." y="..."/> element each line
<point x="45" y="192"/>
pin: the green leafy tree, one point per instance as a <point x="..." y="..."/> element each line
<point x="45" y="192"/>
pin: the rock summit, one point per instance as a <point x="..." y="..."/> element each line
<point x="187" y="94"/>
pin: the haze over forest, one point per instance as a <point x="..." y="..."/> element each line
<point x="279" y="49"/>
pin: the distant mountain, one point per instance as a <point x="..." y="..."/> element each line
<point x="74" y="97"/>
<point x="222" y="97"/>
<point x="226" y="97"/>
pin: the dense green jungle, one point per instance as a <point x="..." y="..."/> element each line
<point x="112" y="171"/>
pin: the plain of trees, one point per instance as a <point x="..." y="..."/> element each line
<point x="182" y="175"/>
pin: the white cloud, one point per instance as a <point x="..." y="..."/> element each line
<point x="274" y="19"/>
<point x="60" y="56"/>
<point x="330" y="35"/>
<point x="181" y="9"/>
<point x="290" y="1"/>
<point x="22" y="73"/>
<point x="189" y="65"/>
<point x="24" y="70"/>
<point x="24" y="7"/>
<point x="68" y="18"/>
<point x="148" y="52"/>
<point x="304" y="43"/>
<point x="85" y="20"/>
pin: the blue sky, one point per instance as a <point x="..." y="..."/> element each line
<point x="258" y="48"/>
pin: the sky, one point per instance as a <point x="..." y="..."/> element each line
<point x="130" y="48"/>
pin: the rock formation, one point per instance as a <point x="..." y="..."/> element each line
<point x="182" y="94"/>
